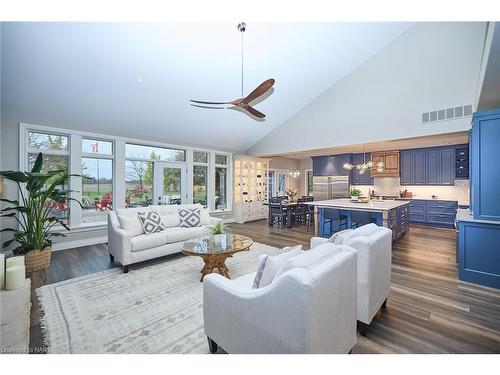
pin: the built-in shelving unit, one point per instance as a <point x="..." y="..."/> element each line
<point x="250" y="188"/>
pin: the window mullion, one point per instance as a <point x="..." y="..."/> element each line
<point x="75" y="167"/>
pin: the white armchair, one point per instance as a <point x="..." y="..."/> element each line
<point x="374" y="247"/>
<point x="307" y="309"/>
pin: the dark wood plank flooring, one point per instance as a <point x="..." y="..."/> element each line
<point x="428" y="310"/>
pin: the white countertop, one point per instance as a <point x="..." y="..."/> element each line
<point x="464" y="214"/>
<point x="347" y="204"/>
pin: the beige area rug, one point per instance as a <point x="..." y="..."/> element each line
<point x="153" y="309"/>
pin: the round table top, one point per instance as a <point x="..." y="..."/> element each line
<point x="222" y="244"/>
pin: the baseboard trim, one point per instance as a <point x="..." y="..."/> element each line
<point x="78" y="243"/>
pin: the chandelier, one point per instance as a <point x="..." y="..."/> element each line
<point x="362" y="168"/>
<point x="294" y="172"/>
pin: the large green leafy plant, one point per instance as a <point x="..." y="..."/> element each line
<point x="34" y="212"/>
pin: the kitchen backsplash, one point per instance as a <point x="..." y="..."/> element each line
<point x="391" y="186"/>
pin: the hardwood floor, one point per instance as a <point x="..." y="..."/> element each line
<point x="428" y="310"/>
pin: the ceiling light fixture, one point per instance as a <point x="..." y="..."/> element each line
<point x="365" y="166"/>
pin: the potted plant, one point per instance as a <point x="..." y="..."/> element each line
<point x="40" y="194"/>
<point x="219" y="228"/>
<point x="355" y="194"/>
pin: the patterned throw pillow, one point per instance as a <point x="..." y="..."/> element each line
<point x="260" y="271"/>
<point x="151" y="222"/>
<point x="190" y="217"/>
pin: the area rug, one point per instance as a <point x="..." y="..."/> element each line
<point x="151" y="309"/>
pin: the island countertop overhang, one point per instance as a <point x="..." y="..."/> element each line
<point x="347" y="204"/>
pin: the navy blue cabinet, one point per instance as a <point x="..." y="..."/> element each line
<point x="361" y="179"/>
<point x="485" y="179"/>
<point x="432" y="166"/>
<point x="479" y="253"/>
<point x="330" y="165"/>
<point x="433" y="212"/>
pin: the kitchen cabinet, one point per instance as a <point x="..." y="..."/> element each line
<point x="462" y="163"/>
<point x="331" y="165"/>
<point x="432" y="166"/>
<point x="391" y="163"/>
<point x="361" y="179"/>
<point x="478" y="253"/>
<point x="485" y="178"/>
<point x="432" y="212"/>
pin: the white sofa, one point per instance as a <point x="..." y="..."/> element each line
<point x="128" y="245"/>
<point x="374" y="247"/>
<point x="310" y="308"/>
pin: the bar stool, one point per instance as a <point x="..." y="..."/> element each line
<point x="332" y="215"/>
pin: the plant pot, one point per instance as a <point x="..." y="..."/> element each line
<point x="354" y="198"/>
<point x="37" y="260"/>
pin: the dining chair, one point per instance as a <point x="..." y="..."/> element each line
<point x="300" y="211"/>
<point x="331" y="216"/>
<point x="277" y="213"/>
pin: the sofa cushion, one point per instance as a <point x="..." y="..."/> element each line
<point x="178" y="234"/>
<point x="310" y="258"/>
<point x="132" y="211"/>
<point x="166" y="209"/>
<point x="148" y="241"/>
<point x="131" y="223"/>
<point x="170" y="221"/>
<point x="205" y="216"/>
<point x="151" y="222"/>
<point x="189" y="217"/>
<point x="270" y="265"/>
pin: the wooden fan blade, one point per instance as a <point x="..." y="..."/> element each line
<point x="253" y="111"/>
<point x="260" y="90"/>
<point x="207" y="106"/>
<point x="201" y="102"/>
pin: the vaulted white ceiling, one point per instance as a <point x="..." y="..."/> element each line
<point x="86" y="76"/>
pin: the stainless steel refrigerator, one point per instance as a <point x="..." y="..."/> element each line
<point x="330" y="187"/>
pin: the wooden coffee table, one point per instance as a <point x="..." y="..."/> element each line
<point x="215" y="249"/>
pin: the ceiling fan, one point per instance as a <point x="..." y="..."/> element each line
<point x="243" y="104"/>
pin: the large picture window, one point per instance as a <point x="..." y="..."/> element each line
<point x="200" y="178"/>
<point x="55" y="153"/>
<point x="221" y="183"/>
<point x="110" y="172"/>
<point x="97" y="180"/>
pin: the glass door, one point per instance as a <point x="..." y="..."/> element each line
<point x="170" y="183"/>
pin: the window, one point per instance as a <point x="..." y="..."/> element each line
<point x="55" y="153"/>
<point x="200" y="157"/>
<point x="94" y="146"/>
<point x="281" y="183"/>
<point x="309" y="183"/>
<point x="154" y="153"/>
<point x="200" y="178"/>
<point x="97" y="180"/>
<point x="42" y="141"/>
<point x="271" y="184"/>
<point x="138" y="183"/>
<point x="220" y="159"/>
<point x="220" y="188"/>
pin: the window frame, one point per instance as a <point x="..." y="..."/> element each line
<point x="201" y="164"/>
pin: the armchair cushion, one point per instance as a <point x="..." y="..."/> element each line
<point x="270" y="265"/>
<point x="338" y="237"/>
<point x="308" y="259"/>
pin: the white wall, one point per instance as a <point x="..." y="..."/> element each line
<point x="431" y="66"/>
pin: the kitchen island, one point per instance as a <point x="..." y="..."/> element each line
<point x="388" y="213"/>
